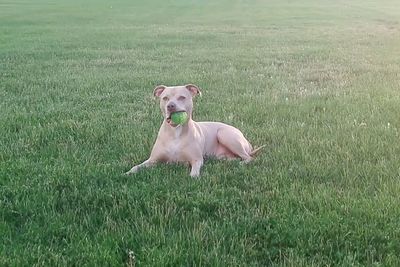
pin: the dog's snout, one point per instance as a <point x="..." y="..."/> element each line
<point x="171" y="106"/>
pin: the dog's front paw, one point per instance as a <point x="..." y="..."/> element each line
<point x="195" y="174"/>
<point x="132" y="171"/>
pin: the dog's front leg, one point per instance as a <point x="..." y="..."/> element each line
<point x="196" y="165"/>
<point x="135" y="169"/>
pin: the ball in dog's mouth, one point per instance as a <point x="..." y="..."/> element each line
<point x="177" y="118"/>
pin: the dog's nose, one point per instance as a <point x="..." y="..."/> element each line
<point x="171" y="106"/>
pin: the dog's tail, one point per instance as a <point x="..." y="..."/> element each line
<point x="256" y="150"/>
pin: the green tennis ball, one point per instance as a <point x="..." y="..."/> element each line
<point x="179" y="118"/>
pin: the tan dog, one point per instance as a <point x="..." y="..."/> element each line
<point x="192" y="141"/>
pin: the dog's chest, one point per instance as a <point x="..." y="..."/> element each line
<point x="172" y="150"/>
<point x="173" y="147"/>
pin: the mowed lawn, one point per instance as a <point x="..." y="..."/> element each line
<point x="316" y="81"/>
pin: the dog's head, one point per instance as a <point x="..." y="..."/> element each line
<point x="175" y="99"/>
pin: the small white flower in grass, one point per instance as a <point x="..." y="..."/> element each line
<point x="363" y="124"/>
<point x="131" y="258"/>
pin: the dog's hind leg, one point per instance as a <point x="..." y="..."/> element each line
<point x="235" y="142"/>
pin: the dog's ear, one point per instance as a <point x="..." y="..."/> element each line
<point x="194" y="90"/>
<point x="158" y="90"/>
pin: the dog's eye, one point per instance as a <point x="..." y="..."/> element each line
<point x="181" y="98"/>
<point x="165" y="98"/>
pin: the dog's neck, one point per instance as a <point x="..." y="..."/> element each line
<point x="178" y="131"/>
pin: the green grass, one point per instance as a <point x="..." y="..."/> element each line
<point x="316" y="81"/>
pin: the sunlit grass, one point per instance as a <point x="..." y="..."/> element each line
<point x="316" y="81"/>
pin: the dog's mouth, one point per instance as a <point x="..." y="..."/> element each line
<point x="169" y="120"/>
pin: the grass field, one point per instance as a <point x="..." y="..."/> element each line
<point x="317" y="81"/>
